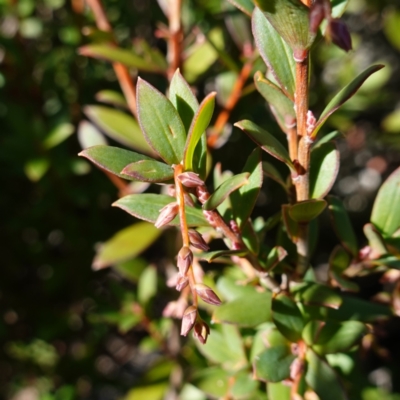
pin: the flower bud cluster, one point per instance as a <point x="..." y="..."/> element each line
<point x="167" y="214"/>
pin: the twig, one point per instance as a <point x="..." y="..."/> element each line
<point x="175" y="37"/>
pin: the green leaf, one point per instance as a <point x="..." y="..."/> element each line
<point x="149" y="171"/>
<point x="116" y="54"/>
<point x="271" y="172"/>
<point x="160" y="123"/>
<point x="386" y="210"/>
<point x="151" y="392"/>
<point x="338" y="7"/>
<point x="316" y="294"/>
<point x="126" y="244"/>
<point x="213" y="255"/>
<point x="327" y="138"/>
<point x="331" y="337"/>
<point x="60" y="133"/>
<point x="225" y="189"/>
<point x="198" y="127"/>
<point x="147" y="206"/>
<point x="266" y="141"/>
<point x="387" y="261"/>
<point x="339" y="261"/>
<point x="324" y="168"/>
<point x="283" y="107"/>
<point x="375" y="240"/>
<point x="249" y="310"/>
<point x="323" y="379"/>
<point x="231" y="288"/>
<point x="287" y="317"/>
<point x="342" y="224"/>
<point x="89" y="135"/>
<point x="111" y="97"/>
<point x="290" y="18"/>
<point x="183" y="99"/>
<point x="213" y="381"/>
<point x="131" y="269"/>
<point x="273" y="364"/>
<point x="345" y="94"/>
<point x="278" y="391"/>
<point x="112" y="159"/>
<point x="35" y="169"/>
<point x="118" y="126"/>
<point x="244" y="199"/>
<point x="147" y="285"/>
<point x="291" y="226"/>
<point x="307" y="210"/>
<point x="275" y="52"/>
<point x="246" y="6"/>
<point x="275" y="256"/>
<point x="250" y="237"/>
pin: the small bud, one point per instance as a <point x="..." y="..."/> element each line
<point x="317" y="14"/>
<point x="181" y="283"/>
<point x="201" y="331"/>
<point x="339" y="34"/>
<point x="190" y="179"/>
<point x="188" y="320"/>
<point x="207" y="294"/>
<point x="296" y="368"/>
<point x="300" y="55"/>
<point x="209" y="216"/>
<point x="311" y="121"/>
<point x="202" y="194"/>
<point x="167" y="214"/>
<point x="188" y="199"/>
<point x="197" y="240"/>
<point x="185" y="260"/>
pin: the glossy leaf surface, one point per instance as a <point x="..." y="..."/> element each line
<point x="149" y="171"/>
<point x="112" y="159"/>
<point x="324" y="168"/>
<point x="147" y="206"/>
<point x="307" y="210"/>
<point x="126" y="244"/>
<point x="160" y="123"/>
<point x="386" y="210"/>
<point x="119" y="126"/>
<point x="275" y="52"/>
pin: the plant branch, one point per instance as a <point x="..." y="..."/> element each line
<point x="175" y="37"/>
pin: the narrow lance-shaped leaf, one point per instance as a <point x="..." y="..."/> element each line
<point x="147" y="206"/>
<point x="213" y="255"/>
<point x="112" y="159"/>
<point x="160" y="123"/>
<point x="199" y="124"/>
<point x="223" y="191"/>
<point x="119" y="126"/>
<point x="149" y="171"/>
<point x="345" y="94"/>
<point x="275" y="256"/>
<point x="245" y="6"/>
<point x="386" y="210"/>
<point x="266" y="141"/>
<point x="275" y="52"/>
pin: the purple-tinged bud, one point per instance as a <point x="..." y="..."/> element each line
<point x="190" y="179"/>
<point x="188" y="320"/>
<point x="181" y="283"/>
<point x="188" y="199"/>
<point x="201" y="331"/>
<point x="185" y="260"/>
<point x="317" y="14"/>
<point x="197" y="240"/>
<point x="209" y="217"/>
<point x="167" y="214"/>
<point x="311" y="122"/>
<point x="202" y="194"/>
<point x="207" y="294"/>
<point x="339" y="34"/>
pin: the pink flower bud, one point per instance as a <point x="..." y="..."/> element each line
<point x="188" y="199"/>
<point x="197" y="240"/>
<point x="185" y="260"/>
<point x="190" y="179"/>
<point x="202" y="194"/>
<point x="207" y="294"/>
<point x="201" y="331"/>
<point x="311" y="122"/>
<point x="188" y="320"/>
<point x="167" y="214"/>
<point x="181" y="283"/>
<point x="339" y="34"/>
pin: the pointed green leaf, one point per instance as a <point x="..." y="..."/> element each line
<point x="342" y="224"/>
<point x="244" y="199"/>
<point x="213" y="255"/>
<point x="89" y="135"/>
<point x="118" y="126"/>
<point x="147" y="206"/>
<point x="249" y="310"/>
<point x="182" y="97"/>
<point x="160" y="123"/>
<point x="225" y="189"/>
<point x="338" y="7"/>
<point x="266" y="141"/>
<point x="339" y="261"/>
<point x="291" y="226"/>
<point x="273" y="364"/>
<point x="112" y="159"/>
<point x="111" y="97"/>
<point x="327" y="138"/>
<point x="283" y="108"/>
<point x="311" y="293"/>
<point x="126" y="244"/>
<point x="147" y="285"/>
<point x="287" y="317"/>
<point x="198" y="127"/>
<point x="149" y="171"/>
<point x="291" y="20"/>
<point x="307" y="210"/>
<point x="387" y="261"/>
<point x="60" y="133"/>
<point x="250" y="237"/>
<point x="323" y="379"/>
<point x="245" y="6"/>
<point x="324" y="168"/>
<point x="123" y="56"/>
<point x="275" y="52"/>
<point x="275" y="256"/>
<point x="270" y="171"/>
<point x="386" y="210"/>
<point x="375" y="240"/>
<point x="345" y="94"/>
